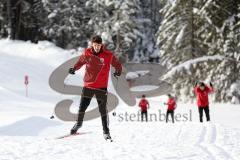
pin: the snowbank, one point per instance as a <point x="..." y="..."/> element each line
<point x="31" y="126"/>
<point x="43" y="51"/>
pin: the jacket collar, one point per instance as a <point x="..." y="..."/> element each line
<point x="95" y="53"/>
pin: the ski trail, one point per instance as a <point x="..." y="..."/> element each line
<point x="166" y="142"/>
<point x="200" y="144"/>
<point x="211" y="140"/>
<point x="179" y="134"/>
<point x="208" y="143"/>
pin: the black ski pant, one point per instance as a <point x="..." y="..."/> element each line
<point x="144" y="113"/>
<point x="101" y="96"/>
<point x="206" y="110"/>
<point x="171" y="112"/>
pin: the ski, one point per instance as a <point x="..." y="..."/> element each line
<point x="78" y="133"/>
<point x="68" y="135"/>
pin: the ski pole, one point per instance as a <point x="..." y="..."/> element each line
<point x="114" y="112"/>
<point x="52" y="115"/>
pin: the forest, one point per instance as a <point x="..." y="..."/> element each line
<point x="197" y="40"/>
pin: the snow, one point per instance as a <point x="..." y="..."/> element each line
<point x="186" y="65"/>
<point x="173" y="4"/>
<point x="44" y="50"/>
<point x="143" y="88"/>
<point x="136" y="74"/>
<point x="180" y="35"/>
<point x="52" y="15"/>
<point x="27" y="127"/>
<point x="27" y="133"/>
<point x="235" y="91"/>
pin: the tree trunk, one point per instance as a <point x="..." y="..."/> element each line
<point x="9" y="13"/>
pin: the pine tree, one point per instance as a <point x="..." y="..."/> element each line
<point x="127" y="26"/>
<point x="66" y="23"/>
<point x="30" y="25"/>
<point x="227" y="73"/>
<point x="19" y="19"/>
<point x="146" y="49"/>
<point x="3" y="19"/>
<point x="175" y="32"/>
<point x="178" y="43"/>
<point x="117" y="22"/>
<point x="193" y="29"/>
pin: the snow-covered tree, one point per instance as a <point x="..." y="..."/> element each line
<point x="175" y="32"/>
<point x="124" y="26"/>
<point x="29" y="23"/>
<point x="66" y="23"/>
<point x="3" y="19"/>
<point x="21" y="19"/>
<point x="117" y="22"/>
<point x="178" y="43"/>
<point x="227" y="73"/>
<point x="146" y="49"/>
<point x="190" y="30"/>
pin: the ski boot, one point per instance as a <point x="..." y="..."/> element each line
<point x="107" y="137"/>
<point x="75" y="128"/>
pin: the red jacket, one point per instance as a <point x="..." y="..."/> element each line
<point x="143" y="104"/>
<point x="97" y="67"/>
<point x="171" y="104"/>
<point x="202" y="96"/>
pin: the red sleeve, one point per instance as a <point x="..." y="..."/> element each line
<point x="81" y="61"/>
<point x="116" y="64"/>
<point x="209" y="89"/>
<point x="196" y="90"/>
<point x="139" y="104"/>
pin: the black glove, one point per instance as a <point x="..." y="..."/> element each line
<point x="211" y="85"/>
<point x="116" y="74"/>
<point x="71" y="71"/>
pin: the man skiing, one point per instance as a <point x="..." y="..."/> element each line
<point x="98" y="60"/>
<point x="202" y="90"/>
<point x="144" y="105"/>
<point x="171" y="107"/>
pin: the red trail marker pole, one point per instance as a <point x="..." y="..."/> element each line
<point x="26" y="82"/>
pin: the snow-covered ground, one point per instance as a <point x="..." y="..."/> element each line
<point x="27" y="132"/>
